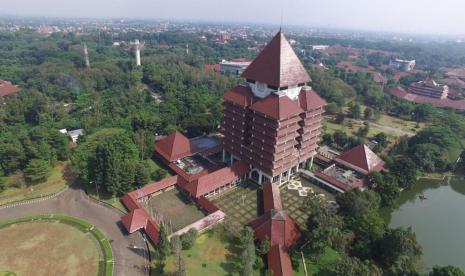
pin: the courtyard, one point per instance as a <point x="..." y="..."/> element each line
<point x="173" y="208"/>
<point x="242" y="204"/>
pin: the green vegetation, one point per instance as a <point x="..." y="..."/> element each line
<point x="16" y="190"/>
<point x="105" y="262"/>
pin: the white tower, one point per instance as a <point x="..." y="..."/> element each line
<point x="86" y="56"/>
<point x="137" y="49"/>
<point x="187" y="49"/>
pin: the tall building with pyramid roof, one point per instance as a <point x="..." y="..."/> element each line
<point x="273" y="120"/>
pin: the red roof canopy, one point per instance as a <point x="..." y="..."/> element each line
<point x="277" y="107"/>
<point x="362" y="159"/>
<point x="6" y="88"/>
<point x="271" y="197"/>
<point x="175" y="146"/>
<point x="277" y="65"/>
<point x="310" y="100"/>
<point x="276" y="226"/>
<point x="240" y="95"/>
<point x="279" y="261"/>
<point x="135" y="220"/>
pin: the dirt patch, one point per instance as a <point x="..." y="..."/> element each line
<point x="47" y="248"/>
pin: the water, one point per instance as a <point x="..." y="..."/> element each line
<point x="438" y="221"/>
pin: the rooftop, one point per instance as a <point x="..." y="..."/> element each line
<point x="342" y="178"/>
<point x="175" y="146"/>
<point x="194" y="164"/>
<point x="277" y="65"/>
<point x="6" y="88"/>
<point x="361" y="159"/>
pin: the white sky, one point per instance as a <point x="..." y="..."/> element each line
<point x="412" y="16"/>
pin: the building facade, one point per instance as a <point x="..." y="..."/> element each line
<point x="404" y="65"/>
<point x="273" y="120"/>
<point x="430" y="89"/>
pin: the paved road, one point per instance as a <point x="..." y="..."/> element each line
<point x="74" y="202"/>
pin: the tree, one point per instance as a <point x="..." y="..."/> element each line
<point x="386" y="186"/>
<point x="355" y="111"/>
<point x="363" y="131"/>
<point x="340" y="117"/>
<point x="2" y="184"/>
<point x="348" y="266"/>
<point x="446" y="271"/>
<point x="163" y="247"/>
<point x="327" y="139"/>
<point x="398" y="251"/>
<point x="405" y="171"/>
<point x="176" y="247"/>
<point x="37" y="171"/>
<point x="356" y="203"/>
<point x="382" y="139"/>
<point x="368" y="113"/>
<point x="325" y="228"/>
<point x="423" y="112"/>
<point x="331" y="108"/>
<point x="188" y="239"/>
<point x="142" y="176"/>
<point x="247" y="259"/>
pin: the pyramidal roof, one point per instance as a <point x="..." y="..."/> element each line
<point x="277" y="65"/>
<point x="362" y="159"/>
<point x="175" y="146"/>
<point x="277" y="107"/>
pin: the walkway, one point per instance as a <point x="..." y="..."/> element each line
<point x="129" y="251"/>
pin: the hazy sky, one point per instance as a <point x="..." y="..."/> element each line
<point x="413" y="16"/>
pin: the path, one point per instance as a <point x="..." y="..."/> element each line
<point x="129" y="251"/>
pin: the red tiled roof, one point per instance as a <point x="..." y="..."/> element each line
<point x="240" y="95"/>
<point x="271" y="197"/>
<point x="276" y="226"/>
<point x="207" y="205"/>
<point x="216" y="179"/>
<point x="6" y="88"/>
<point x="401" y="93"/>
<point x="134" y="220"/>
<point x="362" y="159"/>
<point x="154" y="187"/>
<point x="310" y="100"/>
<point x="277" y="107"/>
<point x="211" y="68"/>
<point x="175" y="146"/>
<point x="279" y="261"/>
<point x="277" y="65"/>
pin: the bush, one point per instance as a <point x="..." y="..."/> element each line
<point x="188" y="239"/>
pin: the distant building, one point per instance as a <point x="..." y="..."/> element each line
<point x="75" y="134"/>
<point x="320" y="47"/>
<point x="429" y="88"/>
<point x="234" y="67"/>
<point x="6" y="88"/>
<point x="404" y="65"/>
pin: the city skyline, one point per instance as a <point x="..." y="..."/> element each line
<point x="415" y="16"/>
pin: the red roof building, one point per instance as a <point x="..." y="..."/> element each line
<point x="6" y="88"/>
<point x="175" y="146"/>
<point x="277" y="227"/>
<point x="361" y="159"/>
<point x="273" y="122"/>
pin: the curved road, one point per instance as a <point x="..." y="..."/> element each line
<point x="129" y="251"/>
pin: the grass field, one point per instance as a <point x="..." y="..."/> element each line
<point x="47" y="248"/>
<point x="177" y="210"/>
<point x="56" y="182"/>
<point x="322" y="262"/>
<point x="212" y="254"/>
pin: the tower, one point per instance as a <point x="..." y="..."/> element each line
<point x="86" y="56"/>
<point x="273" y="120"/>
<point x="137" y="51"/>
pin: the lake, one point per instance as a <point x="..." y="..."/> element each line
<point x="438" y="221"/>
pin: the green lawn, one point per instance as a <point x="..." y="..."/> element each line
<point x="56" y="182"/>
<point x="212" y="254"/>
<point x="313" y="267"/>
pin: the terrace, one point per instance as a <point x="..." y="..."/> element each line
<point x="194" y="164"/>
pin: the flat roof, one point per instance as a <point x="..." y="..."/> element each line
<point x="348" y="177"/>
<point x="194" y="164"/>
<point x="206" y="142"/>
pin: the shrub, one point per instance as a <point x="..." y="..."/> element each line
<point x="188" y="239"/>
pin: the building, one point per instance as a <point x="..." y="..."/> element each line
<point x="349" y="170"/>
<point x="277" y="227"/>
<point x="403" y="65"/>
<point x="234" y="67"/>
<point x="75" y="134"/>
<point x="320" y="47"/>
<point x="429" y="88"/>
<point x="6" y="88"/>
<point x="273" y="120"/>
